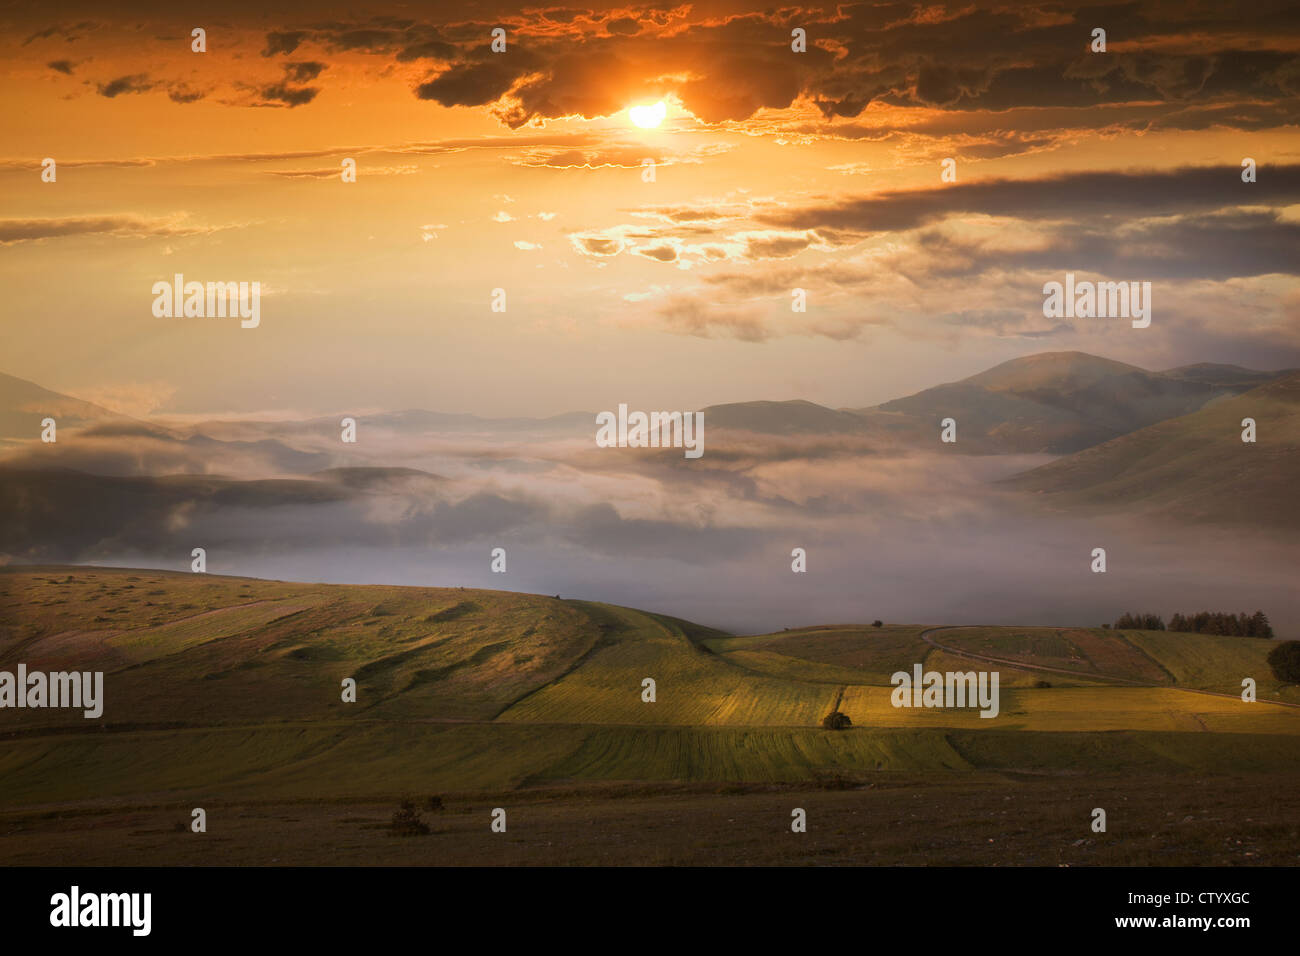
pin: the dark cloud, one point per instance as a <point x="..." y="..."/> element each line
<point x="68" y="33"/>
<point x="1215" y="247"/>
<point x="427" y="49"/>
<point x="624" y="26"/>
<point x="1241" y="116"/>
<point x="180" y="93"/>
<point x="135" y="83"/>
<point x="1111" y="194"/>
<point x="994" y="57"/>
<point x="282" y="94"/>
<point x="472" y="84"/>
<point x="363" y="40"/>
<point x="285" y="42"/>
<point x="42" y="34"/>
<point x="727" y="63"/>
<point x="61" y="66"/>
<point x="303" y="72"/>
<point x="288" y="92"/>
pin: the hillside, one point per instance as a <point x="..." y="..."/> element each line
<point x="1194" y="468"/>
<point x="178" y="645"/>
<point x="224" y="693"/>
<point x="125" y="448"/>
<point x="1061" y="402"/>
<point x="198" y="649"/>
<point x="784" y="418"/>
<point x="1055" y="402"/>
<point x="1211" y="373"/>
<point x="23" y="404"/>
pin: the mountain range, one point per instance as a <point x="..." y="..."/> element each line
<point x="1127" y="440"/>
<point x="1191" y="468"/>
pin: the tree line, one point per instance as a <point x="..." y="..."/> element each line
<point x="1202" y="622"/>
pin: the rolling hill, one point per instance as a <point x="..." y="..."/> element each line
<point x="1060" y="402"/>
<point x="784" y="418"/>
<point x="1211" y="373"/>
<point x="498" y="689"/>
<point x="224" y="693"/>
<point x="1194" y="468"/>
<point x="1054" y="402"/>
<point x="23" y="404"/>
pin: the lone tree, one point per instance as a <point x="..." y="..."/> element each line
<point x="836" y="720"/>
<point x="1285" y="662"/>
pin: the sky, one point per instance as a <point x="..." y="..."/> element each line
<point x="522" y="170"/>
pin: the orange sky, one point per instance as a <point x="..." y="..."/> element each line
<point x="521" y="171"/>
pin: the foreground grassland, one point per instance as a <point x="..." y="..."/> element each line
<point x="225" y="693"/>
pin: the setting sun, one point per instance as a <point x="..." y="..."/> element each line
<point x="648" y="116"/>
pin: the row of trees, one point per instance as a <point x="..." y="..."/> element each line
<point x="1140" y="622"/>
<point x="1203" y="622"/>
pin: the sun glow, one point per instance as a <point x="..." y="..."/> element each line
<point x="648" y="116"/>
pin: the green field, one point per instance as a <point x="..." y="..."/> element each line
<point x="227" y="691"/>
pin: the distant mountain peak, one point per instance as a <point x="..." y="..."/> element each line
<point x="1045" y="368"/>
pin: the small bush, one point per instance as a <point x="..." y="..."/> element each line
<point x="407" y="822"/>
<point x="1042" y="683"/>
<point x="433" y="803"/>
<point x="1285" y="662"/>
<point x="836" y="720"/>
<point x="877" y="624"/>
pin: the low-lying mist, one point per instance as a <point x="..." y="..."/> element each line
<point x="902" y="537"/>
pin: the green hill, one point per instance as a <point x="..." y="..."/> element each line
<point x="197" y="649"/>
<point x="230" y="687"/>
